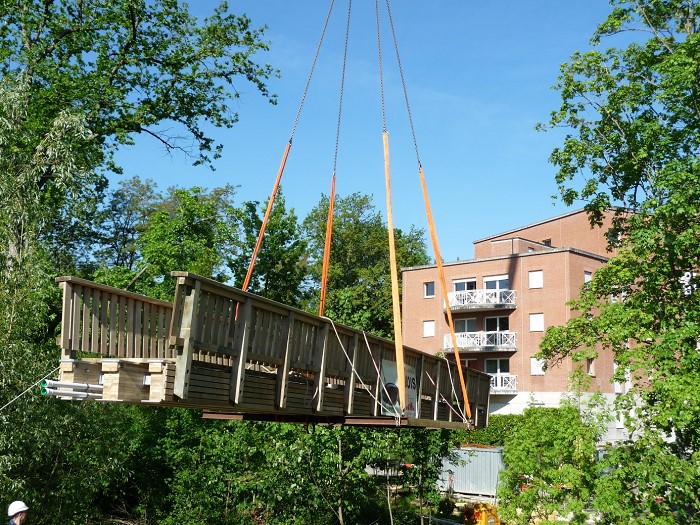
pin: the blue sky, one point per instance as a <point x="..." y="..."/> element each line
<point x="478" y="75"/>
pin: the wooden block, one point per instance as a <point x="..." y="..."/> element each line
<point x="77" y="371"/>
<point x="124" y="381"/>
<point x="162" y="380"/>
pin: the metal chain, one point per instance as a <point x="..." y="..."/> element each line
<point x="381" y="71"/>
<point x="313" y="66"/>
<point x="403" y="82"/>
<point x="342" y="87"/>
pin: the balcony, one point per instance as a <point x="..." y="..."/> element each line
<point x="481" y="300"/>
<point x="482" y="341"/>
<point x="504" y="384"/>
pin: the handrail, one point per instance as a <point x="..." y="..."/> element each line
<point x="108" y="321"/>
<point x="497" y="339"/>
<point x="481" y="297"/>
<point x="111" y="289"/>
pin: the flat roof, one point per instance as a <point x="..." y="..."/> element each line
<point x="576" y="251"/>
<point x="568" y="214"/>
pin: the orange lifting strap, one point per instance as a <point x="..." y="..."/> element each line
<point x="273" y="194"/>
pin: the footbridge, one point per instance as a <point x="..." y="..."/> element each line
<point x="236" y="355"/>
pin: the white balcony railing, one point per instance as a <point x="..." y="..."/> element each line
<point x="504" y="384"/>
<point x="481" y="299"/>
<point x="482" y="341"/>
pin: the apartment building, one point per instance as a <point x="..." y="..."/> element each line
<point x="503" y="300"/>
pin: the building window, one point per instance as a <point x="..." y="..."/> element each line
<point x="536" y="278"/>
<point x="536" y="366"/>
<point x="620" y="420"/>
<point x="465" y="325"/>
<point x="496" y="324"/>
<point x="462" y="285"/>
<point x="590" y="367"/>
<point x="547" y="242"/>
<point x="429" y="289"/>
<point x="537" y="322"/>
<point x="688" y="283"/>
<point x="496" y="282"/>
<point x="428" y="328"/>
<point x="497" y="366"/>
<point x="587" y="276"/>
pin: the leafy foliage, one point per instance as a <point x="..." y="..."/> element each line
<point x="79" y="80"/>
<point x="359" y="291"/>
<point x="129" y="67"/>
<point x="280" y="269"/>
<point x="500" y="427"/>
<point x="550" y="466"/>
<point x="633" y="119"/>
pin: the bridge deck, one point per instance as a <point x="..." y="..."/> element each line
<point x="238" y="355"/>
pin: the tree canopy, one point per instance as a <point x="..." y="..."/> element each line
<point x="97" y="74"/>
<point x="359" y="292"/>
<point x="633" y="120"/>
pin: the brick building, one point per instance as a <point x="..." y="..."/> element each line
<point x="503" y="300"/>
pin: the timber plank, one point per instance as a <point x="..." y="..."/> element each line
<point x="104" y="323"/>
<point x="66" y="311"/>
<point x="85" y="325"/>
<point x="95" y="322"/>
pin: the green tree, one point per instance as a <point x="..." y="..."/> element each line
<point x="123" y="218"/>
<point x="424" y="450"/>
<point x="550" y="466"/>
<point x="281" y="270"/>
<point x="359" y="285"/>
<point x="495" y="434"/>
<point x="191" y="230"/>
<point x="78" y="80"/>
<point x="633" y="120"/>
<point x="27" y="157"/>
<point x="130" y="68"/>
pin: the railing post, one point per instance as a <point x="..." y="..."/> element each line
<point x="320" y="362"/>
<point x="419" y="386"/>
<point x="351" y="381"/>
<point x="378" y="391"/>
<point x="183" y="361"/>
<point x="436" y="397"/>
<point x="66" y="321"/>
<point x="241" y="344"/>
<point x="282" y="381"/>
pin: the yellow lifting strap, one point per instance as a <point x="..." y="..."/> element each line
<point x="431" y="227"/>
<point x="398" y="333"/>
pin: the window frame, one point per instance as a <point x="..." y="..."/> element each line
<point x="532" y="283"/>
<point x="535" y="326"/>
<point x="497" y="279"/>
<point x="463" y="281"/>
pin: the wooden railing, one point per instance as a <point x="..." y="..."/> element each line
<point x="219" y="348"/>
<point x="107" y="321"/>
